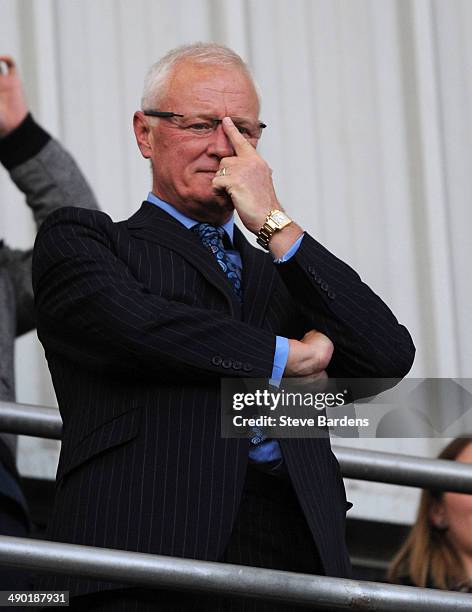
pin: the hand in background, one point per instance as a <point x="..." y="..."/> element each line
<point x="13" y="108"/>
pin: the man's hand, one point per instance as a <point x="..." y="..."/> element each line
<point x="310" y="356"/>
<point x="13" y="108"/>
<point x="247" y="179"/>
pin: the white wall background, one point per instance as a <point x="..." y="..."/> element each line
<point x="369" y="104"/>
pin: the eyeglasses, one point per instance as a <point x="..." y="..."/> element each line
<point x="204" y="126"/>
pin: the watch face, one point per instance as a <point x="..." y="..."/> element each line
<point x="279" y="217"/>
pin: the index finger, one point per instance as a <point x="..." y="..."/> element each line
<point x="240" y="145"/>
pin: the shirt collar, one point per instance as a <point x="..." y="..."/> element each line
<point x="187" y="221"/>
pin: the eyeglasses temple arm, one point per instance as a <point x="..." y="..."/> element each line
<point x="151" y="113"/>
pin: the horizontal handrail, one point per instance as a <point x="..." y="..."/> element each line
<point x="29" y="420"/>
<point x="158" y="571"/>
<point x="391" y="468"/>
<point x="406" y="470"/>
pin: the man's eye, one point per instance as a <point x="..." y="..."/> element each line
<point x="242" y="130"/>
<point x="200" y="127"/>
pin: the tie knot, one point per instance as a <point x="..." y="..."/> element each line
<point x="206" y="230"/>
<point x="211" y="236"/>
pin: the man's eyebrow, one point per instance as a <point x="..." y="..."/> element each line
<point x="242" y="119"/>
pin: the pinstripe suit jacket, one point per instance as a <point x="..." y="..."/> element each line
<point x="139" y="323"/>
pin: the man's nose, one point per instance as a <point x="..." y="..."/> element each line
<point x="219" y="144"/>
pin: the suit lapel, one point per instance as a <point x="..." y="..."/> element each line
<point x="259" y="275"/>
<point x="155" y="225"/>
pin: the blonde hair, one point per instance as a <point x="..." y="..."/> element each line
<point x="427" y="558"/>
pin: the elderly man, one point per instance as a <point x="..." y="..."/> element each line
<point x="41" y="169"/>
<point x="140" y="320"/>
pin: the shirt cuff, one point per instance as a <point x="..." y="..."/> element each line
<point x="22" y="143"/>
<point x="292" y="250"/>
<point x="280" y="360"/>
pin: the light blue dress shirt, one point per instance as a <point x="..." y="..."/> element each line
<point x="268" y="450"/>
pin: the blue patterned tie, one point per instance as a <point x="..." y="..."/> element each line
<point x="212" y="239"/>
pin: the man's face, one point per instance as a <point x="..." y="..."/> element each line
<point x="184" y="162"/>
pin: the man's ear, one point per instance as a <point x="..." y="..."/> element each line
<point x="142" y="132"/>
<point x="438" y="515"/>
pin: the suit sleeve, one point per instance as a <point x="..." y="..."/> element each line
<point x="50" y="179"/>
<point x="368" y="340"/>
<point x="93" y="311"/>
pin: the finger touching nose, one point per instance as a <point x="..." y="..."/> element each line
<point x="219" y="144"/>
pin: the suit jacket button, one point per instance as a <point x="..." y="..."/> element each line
<point x="319" y="280"/>
<point x="227" y="363"/>
<point x="324" y="286"/>
<point x="247" y="367"/>
<point x="331" y="294"/>
<point x="237" y="365"/>
<point x="216" y="360"/>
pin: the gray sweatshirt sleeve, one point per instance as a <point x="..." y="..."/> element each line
<point x="50" y="178"/>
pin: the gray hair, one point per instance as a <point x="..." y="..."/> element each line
<point x="155" y="82"/>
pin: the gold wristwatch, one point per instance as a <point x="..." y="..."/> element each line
<point x="275" y="221"/>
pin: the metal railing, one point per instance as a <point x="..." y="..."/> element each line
<point x="29" y="420"/>
<point x="158" y="571"/>
<point x="357" y="464"/>
<point x="406" y="470"/>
